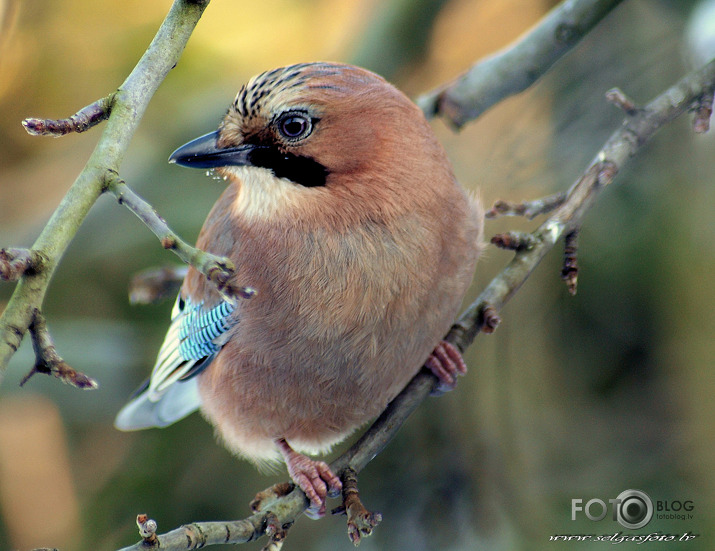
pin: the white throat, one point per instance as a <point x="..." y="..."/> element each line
<point x="262" y="195"/>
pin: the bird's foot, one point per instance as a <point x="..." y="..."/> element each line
<point x="446" y="363"/>
<point x="313" y="477"/>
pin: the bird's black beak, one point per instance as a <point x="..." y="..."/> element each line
<point x="203" y="153"/>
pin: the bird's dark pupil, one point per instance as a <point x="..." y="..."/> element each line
<point x="293" y="126"/>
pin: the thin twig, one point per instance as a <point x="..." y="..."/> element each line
<point x="49" y="362"/>
<point x="619" y="99"/>
<point x="82" y="120"/>
<point x="518" y="66"/>
<point x="218" y="270"/>
<point x="276" y="532"/>
<point x="147" y="529"/>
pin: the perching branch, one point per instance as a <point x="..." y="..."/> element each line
<point x="481" y="316"/>
<point x="123" y="110"/>
<point x="515" y="68"/>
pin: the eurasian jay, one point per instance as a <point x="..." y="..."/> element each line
<point x="343" y="213"/>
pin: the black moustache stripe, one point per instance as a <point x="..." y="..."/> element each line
<point x="304" y="171"/>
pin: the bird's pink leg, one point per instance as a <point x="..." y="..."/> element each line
<point x="314" y="477"/>
<point x="446" y="363"/>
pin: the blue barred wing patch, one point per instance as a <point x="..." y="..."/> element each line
<point x="201" y="330"/>
<point x="195" y="336"/>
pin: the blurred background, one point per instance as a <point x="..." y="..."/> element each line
<point x="572" y="397"/>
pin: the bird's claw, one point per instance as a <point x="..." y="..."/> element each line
<point x="317" y="481"/>
<point x="446" y="363"/>
<point x="313" y="477"/>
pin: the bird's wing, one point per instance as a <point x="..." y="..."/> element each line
<point x="195" y="336"/>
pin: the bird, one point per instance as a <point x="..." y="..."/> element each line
<point x="343" y="213"/>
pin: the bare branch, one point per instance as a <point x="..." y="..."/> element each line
<point x="518" y="66"/>
<point x="619" y="99"/>
<point x="218" y="270"/>
<point x="200" y="534"/>
<point x="49" y="361"/>
<point x="82" y="120"/>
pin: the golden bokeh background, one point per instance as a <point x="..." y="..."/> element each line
<point x="572" y="397"/>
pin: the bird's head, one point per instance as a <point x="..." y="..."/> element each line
<point x="319" y="125"/>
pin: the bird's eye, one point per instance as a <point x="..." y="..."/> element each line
<point x="295" y="126"/>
